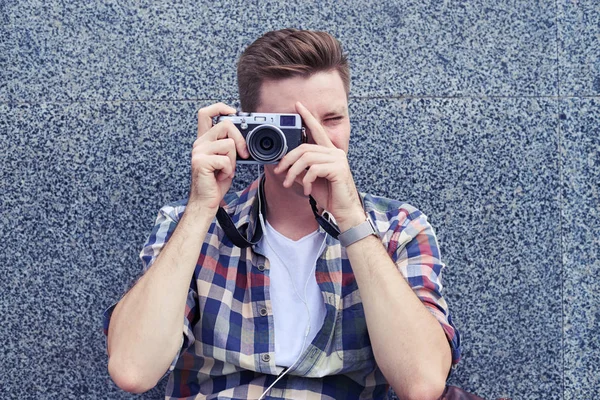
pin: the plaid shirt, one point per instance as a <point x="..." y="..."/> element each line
<point x="228" y="343"/>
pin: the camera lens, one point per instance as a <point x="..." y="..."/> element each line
<point x="266" y="143"/>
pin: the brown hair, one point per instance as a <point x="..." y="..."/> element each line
<point x="285" y="54"/>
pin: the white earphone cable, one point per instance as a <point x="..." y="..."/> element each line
<point x="302" y="299"/>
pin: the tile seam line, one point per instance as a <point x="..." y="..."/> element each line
<point x="552" y="97"/>
<point x="559" y="109"/>
<point x="561" y="206"/>
<point x="352" y="98"/>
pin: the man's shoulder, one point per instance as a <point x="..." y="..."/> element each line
<point x="398" y="222"/>
<point x="173" y="210"/>
<point x="390" y="209"/>
<point x="232" y="199"/>
<point x="238" y="203"/>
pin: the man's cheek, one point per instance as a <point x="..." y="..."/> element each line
<point x="341" y="141"/>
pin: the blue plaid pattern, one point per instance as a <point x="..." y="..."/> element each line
<point x="228" y="347"/>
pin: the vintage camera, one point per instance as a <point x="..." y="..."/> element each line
<point x="268" y="136"/>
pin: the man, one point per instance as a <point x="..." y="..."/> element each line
<point x="300" y="314"/>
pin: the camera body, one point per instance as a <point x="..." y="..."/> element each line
<point x="269" y="136"/>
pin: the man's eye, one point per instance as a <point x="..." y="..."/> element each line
<point x="334" y="119"/>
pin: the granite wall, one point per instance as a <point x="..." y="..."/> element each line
<point x="484" y="113"/>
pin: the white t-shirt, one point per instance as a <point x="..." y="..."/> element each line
<point x="289" y="312"/>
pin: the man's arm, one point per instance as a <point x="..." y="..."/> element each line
<point x="409" y="344"/>
<point x="145" y="330"/>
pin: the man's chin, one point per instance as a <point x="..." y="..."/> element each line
<point x="298" y="190"/>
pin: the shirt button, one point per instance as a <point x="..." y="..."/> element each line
<point x="261" y="267"/>
<point x="266" y="358"/>
<point x="263" y="312"/>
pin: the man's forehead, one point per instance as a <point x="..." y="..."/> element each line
<point x="322" y="93"/>
<point x="318" y="107"/>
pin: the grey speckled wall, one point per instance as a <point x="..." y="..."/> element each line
<point x="485" y="114"/>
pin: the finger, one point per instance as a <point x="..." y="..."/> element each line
<point x="225" y="147"/>
<point x="220" y="147"/>
<point x="226" y="129"/>
<point x="316" y="171"/>
<point x="316" y="129"/>
<point x="214" y="163"/>
<point x="293" y="156"/>
<point x="205" y="115"/>
<point x="307" y="161"/>
<point x="222" y="175"/>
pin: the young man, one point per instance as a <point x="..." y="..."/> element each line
<point x="333" y="319"/>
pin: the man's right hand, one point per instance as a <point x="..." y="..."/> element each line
<point x="214" y="157"/>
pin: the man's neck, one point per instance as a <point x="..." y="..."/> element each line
<point x="288" y="210"/>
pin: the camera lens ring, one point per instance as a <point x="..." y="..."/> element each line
<point x="257" y="140"/>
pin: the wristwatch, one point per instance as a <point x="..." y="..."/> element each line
<point x="357" y="233"/>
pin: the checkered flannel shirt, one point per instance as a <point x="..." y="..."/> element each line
<point x="228" y="342"/>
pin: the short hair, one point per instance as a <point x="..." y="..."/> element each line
<point x="288" y="53"/>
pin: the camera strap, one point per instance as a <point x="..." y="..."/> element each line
<point x="325" y="223"/>
<point x="239" y="236"/>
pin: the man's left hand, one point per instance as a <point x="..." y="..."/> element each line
<point x="323" y="171"/>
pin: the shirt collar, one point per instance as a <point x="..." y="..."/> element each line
<point x="243" y="207"/>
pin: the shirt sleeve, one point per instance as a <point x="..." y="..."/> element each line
<point x="414" y="248"/>
<point x="165" y="225"/>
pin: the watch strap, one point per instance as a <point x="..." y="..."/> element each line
<point x="357" y="233"/>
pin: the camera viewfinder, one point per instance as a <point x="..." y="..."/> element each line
<point x="287" y="120"/>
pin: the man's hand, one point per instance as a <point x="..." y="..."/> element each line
<point x="323" y="170"/>
<point x="214" y="157"/>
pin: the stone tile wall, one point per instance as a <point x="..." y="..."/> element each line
<point x="484" y="114"/>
